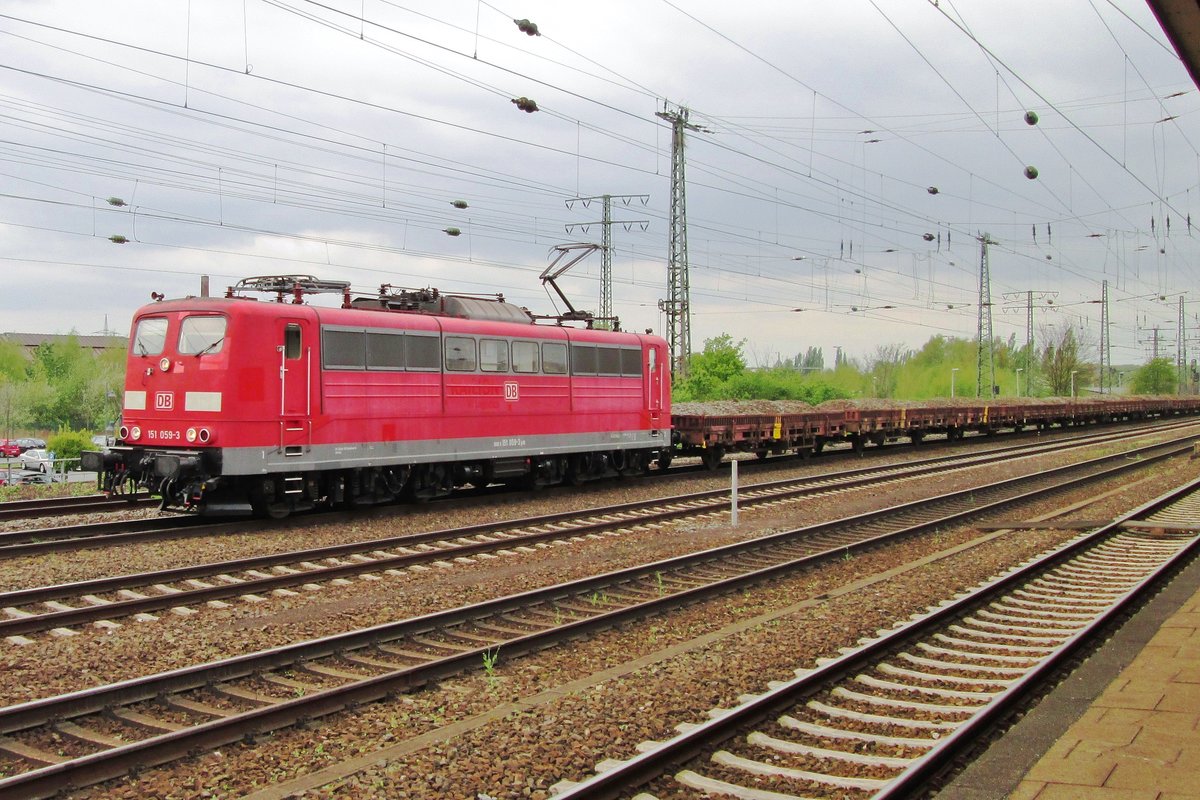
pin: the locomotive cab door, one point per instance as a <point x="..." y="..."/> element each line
<point x="295" y="387"/>
<point x="654" y="383"/>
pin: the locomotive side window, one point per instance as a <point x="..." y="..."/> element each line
<point x="554" y="358"/>
<point x="385" y="350"/>
<point x="493" y="355"/>
<point x="199" y="335"/>
<point x="150" y="337"/>
<point x="608" y="361"/>
<point x="342" y="349"/>
<point x="291" y="341"/>
<point x="422" y="352"/>
<point x="631" y="362"/>
<point x="460" y="354"/>
<point x="583" y="359"/>
<point x="525" y="356"/>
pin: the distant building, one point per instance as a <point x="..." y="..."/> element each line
<point x="98" y="344"/>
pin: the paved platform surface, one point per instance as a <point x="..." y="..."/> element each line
<point x="1124" y="726"/>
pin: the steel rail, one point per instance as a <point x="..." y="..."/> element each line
<point x="655" y="510"/>
<point x="164" y="747"/>
<point x="84" y="504"/>
<point x="642" y="769"/>
<point x="106" y="534"/>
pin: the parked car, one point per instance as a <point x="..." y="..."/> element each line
<point x="38" y="459"/>
<point x="9" y="448"/>
<point x="29" y="444"/>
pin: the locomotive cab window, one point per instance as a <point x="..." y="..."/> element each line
<point x="150" y="336"/>
<point x="200" y="335"/>
<point x="291" y="341"/>
<point x="460" y="354"/>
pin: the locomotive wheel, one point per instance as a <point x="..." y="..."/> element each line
<point x="664" y="460"/>
<point x="428" y="481"/>
<point x="577" y="472"/>
<point x="263" y="502"/>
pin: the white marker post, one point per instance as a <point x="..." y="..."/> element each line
<point x="733" y="492"/>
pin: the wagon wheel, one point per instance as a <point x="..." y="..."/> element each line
<point x="712" y="456"/>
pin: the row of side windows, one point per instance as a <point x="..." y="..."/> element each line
<point x="358" y="349"/>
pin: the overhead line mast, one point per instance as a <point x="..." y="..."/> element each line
<point x="606" y="300"/>
<point x="984" y="347"/>
<point x="677" y="306"/>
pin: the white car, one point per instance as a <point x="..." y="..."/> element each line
<point x="37" y="459"/>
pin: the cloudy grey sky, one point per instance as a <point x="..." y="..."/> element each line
<point x="252" y="137"/>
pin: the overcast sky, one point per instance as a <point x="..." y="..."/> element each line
<point x="254" y="137"/>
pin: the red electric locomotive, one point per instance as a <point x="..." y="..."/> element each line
<point x="236" y="404"/>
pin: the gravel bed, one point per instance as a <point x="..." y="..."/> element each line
<point x="54" y="568"/>
<point x="56" y="665"/>
<point x="526" y="751"/>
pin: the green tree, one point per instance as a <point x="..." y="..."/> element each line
<point x="1157" y="377"/>
<point x="721" y="360"/>
<point x="1062" y="363"/>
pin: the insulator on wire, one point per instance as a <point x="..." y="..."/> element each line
<point x="525" y="104"/>
<point x="928" y="237"/>
<point x="451" y="231"/>
<point x="526" y="27"/>
<point x="117" y="238"/>
<point x="1031" y="172"/>
<point x="1031" y="118"/>
<point x="933" y="190"/>
<point x="459" y="203"/>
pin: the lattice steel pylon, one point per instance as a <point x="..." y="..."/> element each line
<point x="1181" y="352"/>
<point x="606" y="223"/>
<point x="984" y="328"/>
<point x="1105" y="341"/>
<point x="677" y="305"/>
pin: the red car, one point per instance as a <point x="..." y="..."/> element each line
<point x="9" y="448"/>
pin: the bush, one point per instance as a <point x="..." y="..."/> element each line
<point x="69" y="444"/>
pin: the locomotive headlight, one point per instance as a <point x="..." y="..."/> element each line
<point x="164" y="364"/>
<point x="205" y="435"/>
<point x="191" y="435"/>
<point x="123" y="433"/>
<point x="135" y="433"/>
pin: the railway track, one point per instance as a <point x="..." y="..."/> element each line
<point x="101" y="601"/>
<point x="60" y="506"/>
<point x="104" y="732"/>
<point x="886" y="719"/>
<point x="49" y="539"/>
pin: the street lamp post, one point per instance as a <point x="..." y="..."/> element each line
<point x="1073" y="373"/>
<point x="1019" y="371"/>
<point x="952" y="371"/>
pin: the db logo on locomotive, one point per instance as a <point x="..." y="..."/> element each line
<point x="164" y="401"/>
